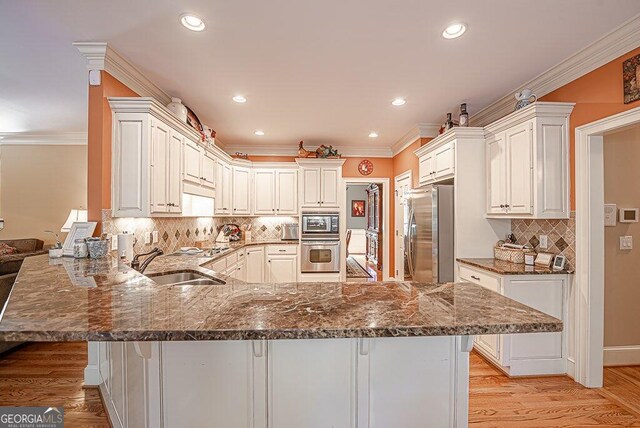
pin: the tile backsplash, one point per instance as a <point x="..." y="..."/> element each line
<point x="561" y="235"/>
<point x="176" y="232"/>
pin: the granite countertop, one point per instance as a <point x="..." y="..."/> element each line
<point x="78" y="300"/>
<point x="502" y="267"/>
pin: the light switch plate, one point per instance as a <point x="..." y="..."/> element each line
<point x="155" y="237"/>
<point x="544" y="241"/>
<point x="114" y="242"/>
<point x="626" y="242"/>
<point x="147" y="238"/>
<point x="610" y="214"/>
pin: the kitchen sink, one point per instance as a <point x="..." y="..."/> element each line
<point x="185" y="278"/>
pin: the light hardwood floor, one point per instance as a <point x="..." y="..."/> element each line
<point x="497" y="401"/>
<point x="46" y="374"/>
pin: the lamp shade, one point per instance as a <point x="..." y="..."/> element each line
<point x="74" y="216"/>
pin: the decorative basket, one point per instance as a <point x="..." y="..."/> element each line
<point x="512" y="255"/>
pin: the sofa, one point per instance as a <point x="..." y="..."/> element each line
<point x="9" y="267"/>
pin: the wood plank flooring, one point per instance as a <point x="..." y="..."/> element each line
<point x="46" y="374"/>
<point x="51" y="374"/>
<point x="498" y="401"/>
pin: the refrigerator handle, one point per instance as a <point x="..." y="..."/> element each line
<point x="410" y="245"/>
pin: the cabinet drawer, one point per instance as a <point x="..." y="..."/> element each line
<point x="282" y="249"/>
<point x="218" y="265"/>
<point x="232" y="258"/>
<point x="480" y="278"/>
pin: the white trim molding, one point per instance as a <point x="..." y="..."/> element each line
<point x="616" y="43"/>
<point x="422" y="130"/>
<point x="100" y="56"/>
<point x="589" y="278"/>
<point x="48" y="139"/>
<point x="622" y="355"/>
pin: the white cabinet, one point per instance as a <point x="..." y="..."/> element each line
<point x="275" y="191"/>
<point x="255" y="265"/>
<point x="241" y="190"/>
<point x="531" y="353"/>
<point x="208" y="163"/>
<point x="437" y="162"/>
<point x="320" y="182"/>
<point x="199" y="169"/>
<point x="527" y="162"/>
<point x="223" y="188"/>
<point x="192" y="163"/>
<point x="147" y="158"/>
<point x="282" y="263"/>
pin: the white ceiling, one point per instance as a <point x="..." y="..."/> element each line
<point x="321" y="71"/>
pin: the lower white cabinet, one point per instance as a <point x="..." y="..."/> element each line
<point x="531" y="353"/>
<point x="255" y="265"/>
<point x="315" y="383"/>
<point x="282" y="263"/>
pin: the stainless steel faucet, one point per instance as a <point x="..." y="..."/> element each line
<point x="140" y="267"/>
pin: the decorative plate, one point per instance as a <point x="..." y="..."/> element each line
<point x="365" y="167"/>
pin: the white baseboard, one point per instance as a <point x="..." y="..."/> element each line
<point x="92" y="376"/>
<point x="571" y="368"/>
<point x="622" y="355"/>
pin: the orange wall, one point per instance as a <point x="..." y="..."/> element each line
<point x="99" y="144"/>
<point x="597" y="94"/>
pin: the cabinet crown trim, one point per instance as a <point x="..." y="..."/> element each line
<point x="315" y="162"/>
<point x="535" y="110"/>
<point x="458" y="133"/>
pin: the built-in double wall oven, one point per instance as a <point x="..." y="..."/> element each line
<point x="320" y="246"/>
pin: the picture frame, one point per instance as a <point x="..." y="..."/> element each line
<point x="357" y="208"/>
<point x="631" y="79"/>
<point x="544" y="260"/>
<point x="79" y="230"/>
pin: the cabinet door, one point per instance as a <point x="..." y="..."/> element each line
<point x="282" y="268"/>
<point x="219" y="383"/>
<point x="329" y="187"/>
<point x="312" y="383"/>
<point x="117" y="380"/>
<point x="426" y="169"/>
<point x="255" y="265"/>
<point x="160" y="139"/>
<point x="143" y="384"/>
<point x="192" y="155"/>
<point x="241" y="190"/>
<point x="287" y="192"/>
<point x="174" y="181"/>
<point x="264" y="191"/>
<point x="227" y="192"/>
<point x="208" y="170"/>
<point x="223" y="188"/>
<point x="496" y="174"/>
<point x="519" y="142"/>
<point x="444" y="159"/>
<point x="310" y="178"/>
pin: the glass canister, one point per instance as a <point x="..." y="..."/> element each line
<point x="80" y="250"/>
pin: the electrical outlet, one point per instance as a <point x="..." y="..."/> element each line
<point x="114" y="242"/>
<point x="147" y="237"/>
<point x="155" y="237"/>
<point x="626" y="242"/>
<point x="544" y="241"/>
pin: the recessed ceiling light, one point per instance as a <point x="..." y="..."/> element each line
<point x="454" y="30"/>
<point x="399" y="102"/>
<point x="239" y="99"/>
<point x="259" y="132"/>
<point x="192" y="22"/>
<point x="373" y="135"/>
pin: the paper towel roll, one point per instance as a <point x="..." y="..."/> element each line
<point x="125" y="246"/>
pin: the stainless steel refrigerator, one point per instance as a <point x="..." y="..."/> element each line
<point x="429" y="234"/>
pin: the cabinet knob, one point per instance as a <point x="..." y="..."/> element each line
<point x="506" y="206"/>
<point x="477" y="278"/>
<point x="501" y="205"/>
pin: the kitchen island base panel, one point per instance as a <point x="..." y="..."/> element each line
<point x="373" y="382"/>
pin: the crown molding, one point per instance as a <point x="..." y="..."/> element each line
<point x="100" y="56"/>
<point x="48" y="139"/>
<point x="614" y="44"/>
<point x="422" y="130"/>
<point x="292" y="150"/>
<point x="457" y="133"/>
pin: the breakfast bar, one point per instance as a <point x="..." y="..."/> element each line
<point x="235" y="354"/>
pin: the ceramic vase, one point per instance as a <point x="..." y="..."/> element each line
<point x="178" y="109"/>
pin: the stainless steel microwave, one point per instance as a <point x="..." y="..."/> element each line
<point x="320" y="226"/>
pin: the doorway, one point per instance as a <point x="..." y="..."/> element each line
<point x="403" y="184"/>
<point x="367" y="215"/>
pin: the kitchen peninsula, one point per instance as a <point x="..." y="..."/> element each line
<point x="281" y="355"/>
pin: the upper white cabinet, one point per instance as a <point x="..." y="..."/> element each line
<point x="275" y="191"/>
<point x="241" y="190"/>
<point x="199" y="169"/>
<point x="527" y="160"/>
<point x="192" y="164"/>
<point x="320" y="181"/>
<point x="147" y="165"/>
<point x="437" y="161"/>
<point x="223" y="188"/>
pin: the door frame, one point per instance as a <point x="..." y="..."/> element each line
<point x="385" y="209"/>
<point x="398" y="240"/>
<point x="588" y="293"/>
